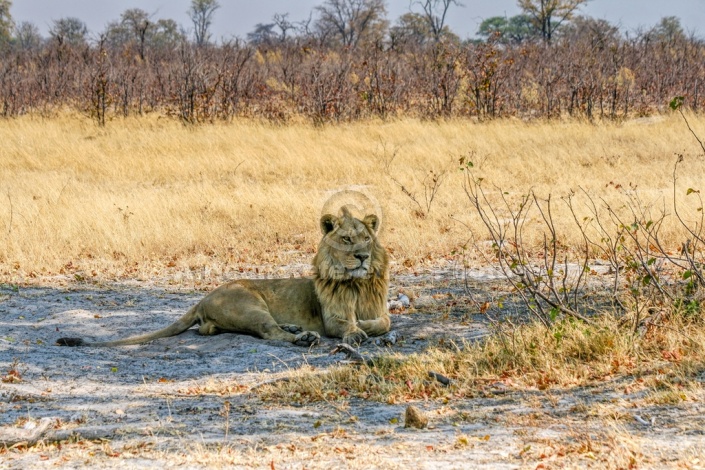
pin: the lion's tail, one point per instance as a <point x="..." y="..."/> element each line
<point x="189" y="319"/>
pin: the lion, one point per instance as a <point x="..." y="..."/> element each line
<point x="346" y="297"/>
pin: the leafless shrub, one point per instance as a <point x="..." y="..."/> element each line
<point x="648" y="279"/>
<point x="577" y="75"/>
<point x="430" y="184"/>
<point x="548" y="284"/>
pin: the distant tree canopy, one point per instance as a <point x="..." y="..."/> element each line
<point x="137" y="28"/>
<point x="599" y="33"/>
<point x="513" y="30"/>
<point x="27" y="36"/>
<point x="69" y="30"/>
<point x="415" y="28"/>
<point x="6" y="23"/>
<point x="278" y="31"/>
<point x="334" y="23"/>
<point x="669" y="29"/>
<point x="548" y="15"/>
<point x="411" y="28"/>
<point x="264" y="33"/>
<point x="351" y="22"/>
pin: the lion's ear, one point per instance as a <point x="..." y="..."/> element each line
<point x="328" y="223"/>
<point x="372" y="221"/>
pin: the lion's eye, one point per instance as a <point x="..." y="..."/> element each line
<point x="347" y="240"/>
<point x="367" y="238"/>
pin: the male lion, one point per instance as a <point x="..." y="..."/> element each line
<point x="346" y="298"/>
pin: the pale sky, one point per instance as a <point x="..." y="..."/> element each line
<point x="236" y="18"/>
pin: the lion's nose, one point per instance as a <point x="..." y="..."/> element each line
<point x="362" y="256"/>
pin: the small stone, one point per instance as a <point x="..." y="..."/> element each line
<point x="404" y="300"/>
<point x="415" y="418"/>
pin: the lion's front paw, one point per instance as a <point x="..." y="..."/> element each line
<point x="291" y="328"/>
<point x="355" y="337"/>
<point x="307" y="338"/>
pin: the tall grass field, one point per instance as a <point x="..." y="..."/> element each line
<point x="146" y="194"/>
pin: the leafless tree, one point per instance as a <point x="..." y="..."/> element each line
<point x="201" y="14"/>
<point x="27" y="35"/>
<point x="350" y="21"/>
<point x="435" y="12"/>
<point x="265" y="33"/>
<point x="282" y="22"/>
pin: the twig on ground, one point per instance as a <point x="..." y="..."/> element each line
<point x="352" y="355"/>
<point x="441" y="378"/>
<point x="41" y="431"/>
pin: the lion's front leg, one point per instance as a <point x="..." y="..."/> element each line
<point x="376" y="327"/>
<point x="341" y="325"/>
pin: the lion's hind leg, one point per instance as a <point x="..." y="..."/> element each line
<point x="207" y="328"/>
<point x="235" y="308"/>
<point x="263" y="325"/>
<point x="267" y="328"/>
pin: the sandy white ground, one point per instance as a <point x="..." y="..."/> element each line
<point x="163" y="403"/>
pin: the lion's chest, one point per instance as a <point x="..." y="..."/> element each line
<point x="366" y="300"/>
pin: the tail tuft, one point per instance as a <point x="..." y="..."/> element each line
<point x="69" y="342"/>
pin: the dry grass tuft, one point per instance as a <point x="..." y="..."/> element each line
<point x="665" y="360"/>
<point x="613" y="448"/>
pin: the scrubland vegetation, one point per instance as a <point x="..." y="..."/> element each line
<point x="349" y="63"/>
<point x="188" y="164"/>
<point x="591" y="72"/>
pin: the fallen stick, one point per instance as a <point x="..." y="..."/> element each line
<point x="13" y="437"/>
<point x="352" y="355"/>
<point x="441" y="378"/>
<point x="27" y="435"/>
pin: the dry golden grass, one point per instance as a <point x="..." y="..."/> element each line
<point x="618" y="373"/>
<point x="666" y="359"/>
<point x="145" y="194"/>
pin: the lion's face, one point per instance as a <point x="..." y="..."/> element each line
<point x="348" y="248"/>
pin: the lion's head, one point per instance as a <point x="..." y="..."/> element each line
<point x="349" y="248"/>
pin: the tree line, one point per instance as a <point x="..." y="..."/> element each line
<point x="346" y="61"/>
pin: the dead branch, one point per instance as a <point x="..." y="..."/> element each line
<point x="351" y="354"/>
